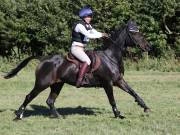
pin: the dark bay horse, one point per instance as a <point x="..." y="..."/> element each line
<point x="54" y="71"/>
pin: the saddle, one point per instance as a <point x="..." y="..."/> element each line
<point x="95" y="60"/>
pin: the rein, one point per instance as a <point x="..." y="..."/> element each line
<point x="112" y="40"/>
<point x="112" y="60"/>
<point x="132" y="38"/>
<point x="114" y="43"/>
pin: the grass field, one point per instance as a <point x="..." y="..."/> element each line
<point x="87" y="111"/>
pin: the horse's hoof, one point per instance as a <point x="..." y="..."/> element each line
<point x="147" y="110"/>
<point x="121" y="117"/>
<point x="55" y="115"/>
<point x="19" y="115"/>
<point x="17" y="119"/>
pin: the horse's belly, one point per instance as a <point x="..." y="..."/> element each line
<point x="90" y="81"/>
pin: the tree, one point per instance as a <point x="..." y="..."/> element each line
<point x="39" y="27"/>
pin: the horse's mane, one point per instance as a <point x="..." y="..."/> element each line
<point x="114" y="33"/>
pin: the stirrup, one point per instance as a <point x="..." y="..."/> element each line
<point x="78" y="83"/>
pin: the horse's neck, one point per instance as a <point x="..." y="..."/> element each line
<point x="116" y="49"/>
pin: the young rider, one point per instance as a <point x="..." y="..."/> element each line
<point x="81" y="33"/>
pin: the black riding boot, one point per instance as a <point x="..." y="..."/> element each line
<point x="82" y="72"/>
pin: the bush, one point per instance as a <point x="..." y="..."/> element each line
<point x="41" y="27"/>
<point x="164" y="64"/>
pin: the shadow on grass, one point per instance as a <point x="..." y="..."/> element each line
<point x="45" y="111"/>
<point x="4" y="110"/>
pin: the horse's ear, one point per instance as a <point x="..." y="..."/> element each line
<point x="132" y="26"/>
<point x="130" y="21"/>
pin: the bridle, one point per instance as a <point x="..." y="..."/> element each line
<point x="114" y="43"/>
<point x="132" y="37"/>
<point x="133" y="29"/>
<point x="128" y="30"/>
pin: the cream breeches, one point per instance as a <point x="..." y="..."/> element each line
<point x="79" y="53"/>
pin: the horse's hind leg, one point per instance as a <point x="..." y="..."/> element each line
<point x="35" y="91"/>
<point x="124" y="86"/>
<point x="55" y="90"/>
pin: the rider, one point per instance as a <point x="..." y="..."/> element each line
<point x="82" y="31"/>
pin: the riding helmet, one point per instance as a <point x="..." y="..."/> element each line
<point x="86" y="11"/>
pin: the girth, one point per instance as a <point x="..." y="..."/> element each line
<point x="95" y="60"/>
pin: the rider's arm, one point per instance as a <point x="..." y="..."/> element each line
<point x="89" y="34"/>
<point x="95" y="31"/>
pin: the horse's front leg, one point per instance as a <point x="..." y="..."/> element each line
<point x="109" y="91"/>
<point x="124" y="86"/>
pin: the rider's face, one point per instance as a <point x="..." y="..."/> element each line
<point x="88" y="19"/>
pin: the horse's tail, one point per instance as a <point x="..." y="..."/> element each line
<point x="20" y="66"/>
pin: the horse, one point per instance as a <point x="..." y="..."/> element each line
<point x="56" y="70"/>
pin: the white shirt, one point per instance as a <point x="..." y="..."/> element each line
<point x="89" y="34"/>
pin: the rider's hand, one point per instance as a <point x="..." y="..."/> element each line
<point x="105" y="35"/>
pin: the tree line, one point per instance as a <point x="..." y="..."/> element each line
<point x="39" y="27"/>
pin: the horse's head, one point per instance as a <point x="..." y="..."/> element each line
<point x="136" y="37"/>
<point x="126" y="35"/>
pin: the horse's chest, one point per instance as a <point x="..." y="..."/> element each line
<point x="110" y="71"/>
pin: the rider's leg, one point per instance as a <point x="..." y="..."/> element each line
<point x="81" y="74"/>
<point x="79" y="53"/>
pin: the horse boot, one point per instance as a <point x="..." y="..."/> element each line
<point x="81" y="74"/>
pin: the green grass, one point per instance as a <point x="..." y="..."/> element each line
<point x="87" y="111"/>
